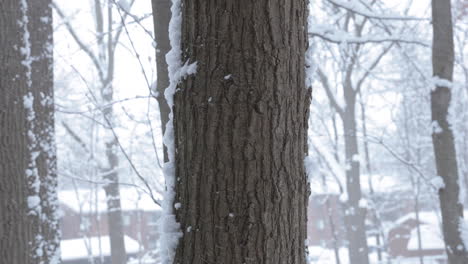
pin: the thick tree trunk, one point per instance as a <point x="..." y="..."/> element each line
<point x="240" y="133"/>
<point x="355" y="215"/>
<point x="444" y="147"/>
<point x="161" y="18"/>
<point x="28" y="201"/>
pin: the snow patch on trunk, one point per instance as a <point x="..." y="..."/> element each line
<point x="438" y="182"/>
<point x="170" y="228"/>
<point x="28" y="102"/>
<point x="32" y="173"/>
<point x="463" y="228"/>
<point x="39" y="144"/>
<point x="26" y="48"/>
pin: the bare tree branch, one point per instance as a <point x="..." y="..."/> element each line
<point x="82" y="144"/>
<point x="339" y="37"/>
<point x="352" y="7"/>
<point x="136" y="19"/>
<point x="326" y="84"/>
<point x="63" y="110"/>
<point x="404" y="161"/>
<point x="372" y="67"/>
<point x="75" y="136"/>
<point x="158" y="202"/>
<point x="78" y="41"/>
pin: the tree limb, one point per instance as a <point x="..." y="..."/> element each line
<point x="78" y="41"/>
<point x="343" y="37"/>
<point x="351" y="6"/>
<point x="326" y="84"/>
<point x="372" y="67"/>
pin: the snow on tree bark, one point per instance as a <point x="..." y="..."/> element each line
<point x="28" y="199"/>
<point x="240" y="127"/>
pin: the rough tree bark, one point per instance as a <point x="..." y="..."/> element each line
<point x="28" y="199"/>
<point x="240" y="133"/>
<point x="161" y="18"/>
<point x="444" y="147"/>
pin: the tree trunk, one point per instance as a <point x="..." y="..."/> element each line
<point x="28" y="199"/>
<point x="114" y="210"/>
<point x="355" y="216"/>
<point x="376" y="221"/>
<point x="240" y="133"/>
<point x="444" y="147"/>
<point x="161" y="18"/>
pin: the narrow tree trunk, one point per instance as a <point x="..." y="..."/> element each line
<point x="161" y="18"/>
<point x="28" y="201"/>
<point x="444" y="147"/>
<point x="114" y="210"/>
<point x="370" y="182"/>
<point x="240" y="133"/>
<point x="112" y="191"/>
<point x="355" y="216"/>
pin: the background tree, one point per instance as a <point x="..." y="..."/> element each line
<point x="82" y="99"/>
<point x="28" y="182"/>
<point x="103" y="59"/>
<point x="443" y="139"/>
<point x="353" y="73"/>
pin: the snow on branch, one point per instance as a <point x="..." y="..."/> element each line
<point x="358" y="8"/>
<point x="333" y="35"/>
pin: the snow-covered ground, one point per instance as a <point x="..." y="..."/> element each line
<point x="320" y="255"/>
<point x="83" y="248"/>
